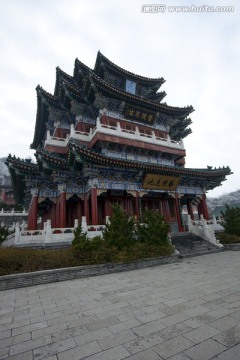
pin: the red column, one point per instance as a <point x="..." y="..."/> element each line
<point x="137" y="204"/>
<point x="200" y="212"/>
<point x="166" y="209"/>
<point x="190" y="209"/>
<point x="79" y="211"/>
<point x="204" y="207"/>
<point x="53" y="216"/>
<point x="32" y="215"/>
<point x="86" y="208"/>
<point x="57" y="223"/>
<point x="4" y="196"/>
<point x="106" y="207"/>
<point x="94" y="208"/>
<point x="178" y="213"/>
<point x="62" y="206"/>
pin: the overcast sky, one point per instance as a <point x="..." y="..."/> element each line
<point x="197" y="53"/>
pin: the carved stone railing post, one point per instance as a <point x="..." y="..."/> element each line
<point x="17" y="233"/>
<point x="48" y="231"/>
<point x="84" y="224"/>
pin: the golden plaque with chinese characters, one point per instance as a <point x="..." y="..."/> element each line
<point x="160" y="182"/>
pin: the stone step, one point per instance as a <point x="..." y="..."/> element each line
<point x="189" y="244"/>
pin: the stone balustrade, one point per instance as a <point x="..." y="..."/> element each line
<point x="49" y="235"/>
<point x="202" y="229"/>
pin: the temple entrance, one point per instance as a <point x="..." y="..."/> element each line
<point x="166" y="205"/>
<point x="110" y="197"/>
<point x="47" y="211"/>
<point x="74" y="210"/>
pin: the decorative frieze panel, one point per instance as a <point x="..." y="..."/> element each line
<point x="48" y="193"/>
<point x="190" y="190"/>
<point x="117" y="185"/>
<point x="75" y="190"/>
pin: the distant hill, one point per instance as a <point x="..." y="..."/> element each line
<point x="232" y="198"/>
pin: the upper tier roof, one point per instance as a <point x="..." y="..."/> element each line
<point x="102" y="61"/>
<point x="82" y="87"/>
<point x="97" y="84"/>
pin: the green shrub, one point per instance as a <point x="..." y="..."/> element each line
<point x="119" y="244"/>
<point x="154" y="230"/>
<point x="80" y="238"/>
<point x="15" y="260"/>
<point x="225" y="238"/>
<point x="3" y="234"/>
<point x="231" y="222"/>
<point x="120" y="231"/>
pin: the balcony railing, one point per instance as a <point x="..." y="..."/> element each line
<point x="117" y="130"/>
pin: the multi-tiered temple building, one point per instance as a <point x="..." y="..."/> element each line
<point x="106" y="137"/>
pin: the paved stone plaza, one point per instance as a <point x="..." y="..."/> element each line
<point x="181" y="311"/>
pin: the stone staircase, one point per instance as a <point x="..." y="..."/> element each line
<point x="189" y="244"/>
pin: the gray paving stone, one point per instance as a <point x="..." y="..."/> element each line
<point x="83" y="320"/>
<point x="13" y="325"/>
<point x="174" y="319"/>
<point x="54" y="348"/>
<point x="5" y="334"/>
<point x="231" y="354"/>
<point x="172" y="310"/>
<point x="116" y="339"/>
<point x="15" y="340"/>
<point x="229" y="337"/>
<point x="231" y="298"/>
<point x="92" y="335"/>
<point x="100" y="323"/>
<point x="116" y="353"/>
<point x="236" y="315"/>
<point x="174" y="330"/>
<point x="196" y="310"/>
<point x="129" y="315"/>
<point x="179" y="356"/>
<point x="200" y="334"/>
<point x="220" y="312"/>
<point x="23" y="356"/>
<point x="145" y="355"/>
<point x="69" y="333"/>
<point x="198" y="320"/>
<point x="234" y="305"/>
<point x="124" y="325"/>
<point x="143" y="343"/>
<point x="205" y="350"/>
<point x="224" y="323"/>
<point x="80" y="352"/>
<point x="4" y="352"/>
<point x="173" y="346"/>
<point x="150" y="317"/>
<point x="29" y="328"/>
<point x="148" y="328"/>
<point x="29" y="345"/>
<point x="48" y="330"/>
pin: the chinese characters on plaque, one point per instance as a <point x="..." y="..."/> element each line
<point x="160" y="182"/>
<point x="143" y="115"/>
